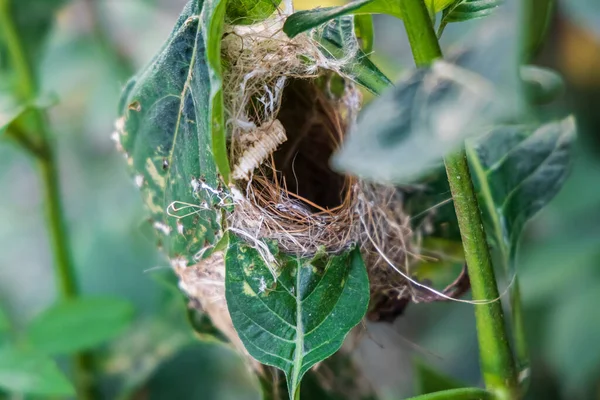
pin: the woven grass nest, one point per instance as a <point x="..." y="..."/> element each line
<point x="288" y="108"/>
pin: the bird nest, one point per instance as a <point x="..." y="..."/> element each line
<point x="288" y="108"/>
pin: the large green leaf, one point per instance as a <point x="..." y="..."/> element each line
<point x="301" y="317"/>
<point x="173" y="132"/>
<point x="245" y="12"/>
<point x="79" y="324"/>
<point x="517" y="170"/>
<point x="338" y="41"/>
<point x="26" y="372"/>
<point x="305" y="20"/>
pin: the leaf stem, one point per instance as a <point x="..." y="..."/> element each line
<point x="44" y="153"/>
<point x="497" y="363"/>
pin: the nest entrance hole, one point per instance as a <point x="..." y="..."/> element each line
<point x="300" y="166"/>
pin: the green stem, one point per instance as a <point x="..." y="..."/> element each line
<point x="456" y="394"/>
<point x="64" y="272"/>
<point x="15" y="50"/>
<point x="497" y="364"/>
<point x="44" y="153"/>
<point x="421" y="36"/>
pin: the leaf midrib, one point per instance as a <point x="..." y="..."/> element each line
<point x="298" y="356"/>
<point x="184" y="91"/>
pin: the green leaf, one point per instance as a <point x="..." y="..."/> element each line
<point x="246" y="12"/>
<point x="517" y="170"/>
<point x="304" y="315"/>
<point x="464" y="10"/>
<point x="173" y="132"/>
<point x="338" y="41"/>
<point x="363" y="28"/>
<point x="79" y="324"/>
<point x="305" y="20"/>
<point x="26" y="372"/>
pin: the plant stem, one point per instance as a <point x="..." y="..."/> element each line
<point x="421" y="36"/>
<point x="44" y="153"/>
<point x="65" y="273"/>
<point x="497" y="363"/>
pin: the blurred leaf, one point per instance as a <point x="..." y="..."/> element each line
<point x="538" y="16"/>
<point x="363" y="28"/>
<point x="584" y="12"/>
<point x="542" y="85"/>
<point x="246" y="12"/>
<point x="573" y="344"/>
<point x="517" y="170"/>
<point x="11" y="110"/>
<point x="346" y="382"/>
<point x="431" y="381"/>
<point x="301" y="318"/>
<point x="79" y="324"/>
<point x="464" y="10"/>
<point x="338" y="41"/>
<point x="406" y="132"/>
<point x="8" y="114"/>
<point x="174" y="132"/>
<point x="136" y="355"/>
<point x="5" y="325"/>
<point x="203" y="371"/>
<point x="429" y="203"/>
<point x="26" y="372"/>
<point x="305" y="20"/>
<point x="32" y="20"/>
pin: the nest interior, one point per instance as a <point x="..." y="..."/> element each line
<point x="314" y="131"/>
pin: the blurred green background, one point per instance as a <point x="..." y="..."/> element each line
<point x="95" y="45"/>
